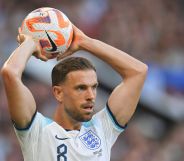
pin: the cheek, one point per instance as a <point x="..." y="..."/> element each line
<point x="73" y="99"/>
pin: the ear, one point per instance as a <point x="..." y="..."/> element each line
<point x="58" y="93"/>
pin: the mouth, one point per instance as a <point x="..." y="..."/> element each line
<point x="88" y="108"/>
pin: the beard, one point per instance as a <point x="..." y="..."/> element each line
<point x="79" y="116"/>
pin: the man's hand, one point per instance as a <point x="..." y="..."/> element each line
<point x="78" y="38"/>
<point x="38" y="53"/>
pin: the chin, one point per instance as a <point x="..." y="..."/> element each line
<point x="86" y="118"/>
<point x="83" y="117"/>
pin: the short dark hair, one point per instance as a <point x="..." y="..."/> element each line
<point x="60" y="70"/>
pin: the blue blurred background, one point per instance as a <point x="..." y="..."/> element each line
<point x="152" y="31"/>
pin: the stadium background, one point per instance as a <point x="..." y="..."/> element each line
<point x="152" y="31"/>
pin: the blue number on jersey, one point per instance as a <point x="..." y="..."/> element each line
<point x="61" y="151"/>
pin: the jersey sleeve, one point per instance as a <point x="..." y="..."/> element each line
<point x="107" y="123"/>
<point x="29" y="137"/>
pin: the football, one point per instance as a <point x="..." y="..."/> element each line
<point x="51" y="28"/>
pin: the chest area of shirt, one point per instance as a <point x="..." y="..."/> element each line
<point x="85" y="143"/>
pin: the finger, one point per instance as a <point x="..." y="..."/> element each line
<point x="58" y="57"/>
<point x="40" y="56"/>
<point x="61" y="56"/>
<point x="21" y="38"/>
<point x="35" y="54"/>
<point x="43" y="58"/>
<point x="52" y="55"/>
<point x="18" y="39"/>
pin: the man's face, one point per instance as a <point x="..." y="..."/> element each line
<point x="79" y="94"/>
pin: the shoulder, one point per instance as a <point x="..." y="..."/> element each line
<point x="104" y="118"/>
<point x="38" y="121"/>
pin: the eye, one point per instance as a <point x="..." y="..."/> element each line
<point x="81" y="88"/>
<point x="95" y="87"/>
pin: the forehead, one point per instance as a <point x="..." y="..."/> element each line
<point x="87" y="77"/>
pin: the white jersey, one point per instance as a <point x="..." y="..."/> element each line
<point x="45" y="140"/>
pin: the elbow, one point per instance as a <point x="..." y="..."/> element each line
<point x="4" y="71"/>
<point x="144" y="69"/>
<point x="140" y="71"/>
<point x="8" y="73"/>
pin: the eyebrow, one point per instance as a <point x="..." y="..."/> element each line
<point x="85" y="85"/>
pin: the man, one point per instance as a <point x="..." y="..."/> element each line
<point x="74" y="134"/>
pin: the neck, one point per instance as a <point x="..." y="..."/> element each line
<point x="66" y="121"/>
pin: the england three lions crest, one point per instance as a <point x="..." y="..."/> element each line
<point x="90" y="140"/>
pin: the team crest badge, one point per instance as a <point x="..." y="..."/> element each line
<point x="90" y="140"/>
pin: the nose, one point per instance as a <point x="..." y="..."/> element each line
<point x="90" y="94"/>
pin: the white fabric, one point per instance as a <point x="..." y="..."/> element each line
<point x="43" y="140"/>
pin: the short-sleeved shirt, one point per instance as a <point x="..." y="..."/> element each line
<point x="45" y="140"/>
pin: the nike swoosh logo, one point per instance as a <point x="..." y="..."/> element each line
<point x="54" y="47"/>
<point x="61" y="138"/>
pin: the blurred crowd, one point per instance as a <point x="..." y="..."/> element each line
<point x="152" y="31"/>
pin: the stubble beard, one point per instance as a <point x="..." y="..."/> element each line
<point x="77" y="116"/>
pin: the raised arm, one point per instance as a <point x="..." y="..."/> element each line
<point x="21" y="103"/>
<point x="125" y="96"/>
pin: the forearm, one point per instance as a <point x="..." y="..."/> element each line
<point x="17" y="61"/>
<point x="123" y="63"/>
<point x="20" y="100"/>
